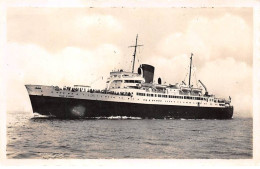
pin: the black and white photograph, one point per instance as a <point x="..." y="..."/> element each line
<point x="129" y="82"/>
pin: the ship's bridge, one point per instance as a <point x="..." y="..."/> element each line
<point x="122" y="80"/>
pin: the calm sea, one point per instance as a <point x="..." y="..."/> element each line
<point x="44" y="138"/>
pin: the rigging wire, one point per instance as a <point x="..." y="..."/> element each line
<point x="185" y="77"/>
<point x="194" y="74"/>
<point x="100" y="77"/>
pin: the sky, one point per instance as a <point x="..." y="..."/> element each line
<point x="69" y="46"/>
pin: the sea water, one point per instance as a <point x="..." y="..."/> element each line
<point x="30" y="137"/>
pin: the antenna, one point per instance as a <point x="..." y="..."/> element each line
<point x="135" y="46"/>
<point x="190" y="68"/>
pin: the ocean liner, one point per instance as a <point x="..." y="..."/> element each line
<point x="131" y="94"/>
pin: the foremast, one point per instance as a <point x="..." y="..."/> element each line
<point x="190" y="69"/>
<point x="135" y="46"/>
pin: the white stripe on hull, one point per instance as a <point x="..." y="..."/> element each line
<point x="51" y="92"/>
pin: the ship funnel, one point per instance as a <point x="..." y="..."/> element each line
<point x="139" y="70"/>
<point x="159" y="81"/>
<point x="148" y="72"/>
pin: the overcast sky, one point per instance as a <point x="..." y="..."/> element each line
<point x="67" y="46"/>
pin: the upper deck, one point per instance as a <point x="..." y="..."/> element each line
<point x="122" y="80"/>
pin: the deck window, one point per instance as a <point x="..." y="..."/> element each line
<point x="132" y="81"/>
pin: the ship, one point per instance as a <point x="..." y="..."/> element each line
<point x="130" y="94"/>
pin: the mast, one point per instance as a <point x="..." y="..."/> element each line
<point x="135" y="46"/>
<point x="190" y="68"/>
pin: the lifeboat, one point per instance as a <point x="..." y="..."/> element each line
<point x="185" y="89"/>
<point x="175" y="86"/>
<point x="196" y="90"/>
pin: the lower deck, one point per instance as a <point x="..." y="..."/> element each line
<point x="134" y="96"/>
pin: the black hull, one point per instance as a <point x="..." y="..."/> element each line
<point x="74" y="108"/>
